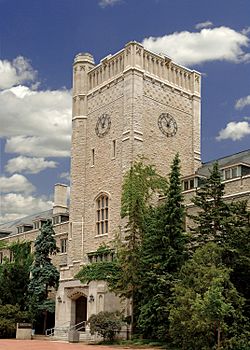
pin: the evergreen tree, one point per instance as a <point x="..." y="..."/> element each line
<point x="210" y="223"/>
<point x="44" y="274"/>
<point x="162" y="254"/>
<point x="228" y="224"/>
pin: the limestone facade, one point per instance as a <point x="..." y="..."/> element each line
<point x="116" y="110"/>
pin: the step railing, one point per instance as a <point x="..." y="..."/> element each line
<point x="81" y="326"/>
<point x="51" y="331"/>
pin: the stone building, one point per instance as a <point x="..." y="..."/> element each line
<point x="132" y="103"/>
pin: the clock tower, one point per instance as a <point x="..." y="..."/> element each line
<point x="132" y="103"/>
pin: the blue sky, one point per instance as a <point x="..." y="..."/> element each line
<point x="38" y="40"/>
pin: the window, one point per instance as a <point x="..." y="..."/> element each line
<point x="93" y="157"/>
<point x="19" y="229"/>
<point x="102" y="213"/>
<point x="1" y="257"/>
<point x="11" y="256"/>
<point x="63" y="245"/>
<point x="36" y="225"/>
<point x="56" y="220"/>
<point x="113" y="148"/>
<point x="230" y="173"/>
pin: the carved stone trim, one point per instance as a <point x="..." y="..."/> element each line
<point x="76" y="292"/>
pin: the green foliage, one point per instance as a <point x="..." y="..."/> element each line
<point x="106" y="324"/>
<point x="228" y="225"/>
<point x="14" y="275"/>
<point x="162" y="254"/>
<point x="205" y="302"/>
<point x="210" y="223"/>
<point x="9" y="316"/>
<point x="44" y="274"/>
<point x="101" y="270"/>
<point x="140" y="183"/>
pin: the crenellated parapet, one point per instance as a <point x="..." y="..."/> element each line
<point x="157" y="66"/>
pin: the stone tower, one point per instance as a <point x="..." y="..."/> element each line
<point x="132" y="103"/>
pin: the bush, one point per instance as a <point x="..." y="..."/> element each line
<point x="106" y="324"/>
<point x="9" y="316"/>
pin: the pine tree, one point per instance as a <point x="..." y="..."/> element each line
<point x="162" y="255"/>
<point x="210" y="222"/>
<point x="44" y="274"/>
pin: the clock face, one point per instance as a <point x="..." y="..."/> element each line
<point x="103" y="125"/>
<point x="167" y="124"/>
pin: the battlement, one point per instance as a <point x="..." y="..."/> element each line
<point x="157" y="66"/>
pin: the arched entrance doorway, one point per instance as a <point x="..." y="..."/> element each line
<point x="81" y="309"/>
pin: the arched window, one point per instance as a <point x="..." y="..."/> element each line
<point x="102" y="214"/>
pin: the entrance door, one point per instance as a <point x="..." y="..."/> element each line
<point x="81" y="309"/>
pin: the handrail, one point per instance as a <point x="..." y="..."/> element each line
<point x="50" y="331"/>
<point x="78" y="326"/>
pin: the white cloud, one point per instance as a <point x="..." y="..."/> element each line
<point x="36" y="123"/>
<point x="15" y="206"/>
<point x="205" y="24"/>
<point x="65" y="175"/>
<point x="105" y="3"/>
<point x="16" y="72"/>
<point x="246" y="31"/>
<point x="16" y="183"/>
<point x="28" y="165"/>
<point x="242" y="102"/>
<point x="234" y="131"/>
<point x="189" y="48"/>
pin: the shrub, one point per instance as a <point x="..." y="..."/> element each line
<point x="106" y="324"/>
<point x="9" y="316"/>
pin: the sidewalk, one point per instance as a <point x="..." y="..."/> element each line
<point x="13" y="344"/>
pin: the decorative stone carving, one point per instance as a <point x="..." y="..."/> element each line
<point x="76" y="292"/>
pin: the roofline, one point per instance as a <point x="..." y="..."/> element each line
<point x="230" y="155"/>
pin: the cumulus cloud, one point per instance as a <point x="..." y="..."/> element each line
<point x="28" y="165"/>
<point x="16" y="72"/>
<point x="36" y="123"/>
<point x="234" y="131"/>
<point x="211" y="44"/>
<point x="105" y="3"/>
<point x="65" y="175"/>
<point x="205" y="24"/>
<point x="242" y="102"/>
<point x="15" y="206"/>
<point x="16" y="183"/>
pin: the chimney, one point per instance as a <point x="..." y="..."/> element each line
<point x="60" y="199"/>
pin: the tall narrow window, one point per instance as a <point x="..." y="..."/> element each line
<point x="1" y="257"/>
<point x="93" y="156"/>
<point x="102" y="214"/>
<point x="63" y="245"/>
<point x="113" y="148"/>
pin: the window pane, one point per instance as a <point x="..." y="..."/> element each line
<point x="227" y="174"/>
<point x="185" y="185"/>
<point x="107" y="214"/>
<point x="106" y="226"/>
<point x="191" y="183"/>
<point x="102" y="214"/>
<point x="102" y="228"/>
<point x="99" y="203"/>
<point x="102" y="202"/>
<point x="234" y="172"/>
<point x="98" y="215"/>
<point x="107" y="202"/>
<point x="98" y="228"/>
